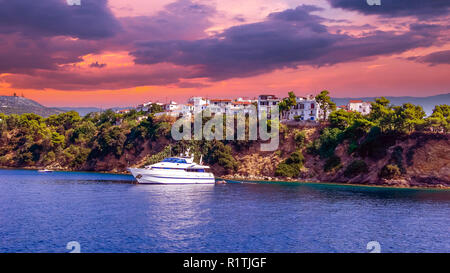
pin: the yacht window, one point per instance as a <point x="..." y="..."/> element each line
<point x="174" y="160"/>
<point x="196" y="170"/>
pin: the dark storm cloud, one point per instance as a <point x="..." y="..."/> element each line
<point x="23" y="54"/>
<point x="38" y="44"/>
<point x="435" y="58"/>
<point x="285" y="39"/>
<point x="425" y="9"/>
<point x="91" y="20"/>
<point x="37" y="34"/>
<point x="181" y="20"/>
<point x="48" y="33"/>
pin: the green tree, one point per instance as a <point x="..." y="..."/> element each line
<point x="57" y="139"/>
<point x="325" y="103"/>
<point x="343" y="119"/>
<point x="291" y="166"/>
<point x="382" y="114"/>
<point x="440" y="119"/>
<point x="156" y="108"/>
<point x="390" y="171"/>
<point x="287" y="103"/>
<point x="299" y="138"/>
<point x="408" y="117"/>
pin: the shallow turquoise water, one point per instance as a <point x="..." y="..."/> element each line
<point x="43" y="212"/>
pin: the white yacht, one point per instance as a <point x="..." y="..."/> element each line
<point x="174" y="170"/>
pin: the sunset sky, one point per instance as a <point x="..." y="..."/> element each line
<point x="124" y="52"/>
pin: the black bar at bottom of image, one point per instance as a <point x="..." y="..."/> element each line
<point x="228" y="262"/>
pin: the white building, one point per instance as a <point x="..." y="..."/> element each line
<point x="172" y="106"/>
<point x="359" y="106"/>
<point x="306" y="109"/>
<point x="187" y="109"/>
<point x="199" y="103"/>
<point x="145" y="107"/>
<point x="240" y="106"/>
<point x="265" y="102"/>
<point x="220" y="106"/>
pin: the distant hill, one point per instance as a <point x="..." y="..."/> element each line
<point x="82" y="111"/>
<point x="19" y="105"/>
<point x="427" y="103"/>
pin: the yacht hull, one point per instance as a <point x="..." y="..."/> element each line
<point x="145" y="176"/>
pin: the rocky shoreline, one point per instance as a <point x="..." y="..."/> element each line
<point x="399" y="183"/>
<point x="396" y="183"/>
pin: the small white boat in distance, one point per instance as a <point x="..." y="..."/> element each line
<point x="45" y="171"/>
<point x="174" y="170"/>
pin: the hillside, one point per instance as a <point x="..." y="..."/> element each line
<point x="423" y="157"/>
<point x="395" y="146"/>
<point x="82" y="111"/>
<point x="19" y="105"/>
<point x="427" y="103"/>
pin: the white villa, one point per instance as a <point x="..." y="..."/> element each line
<point x="145" y="107"/>
<point x="360" y="106"/>
<point x="171" y="106"/>
<point x="265" y="102"/>
<point x="306" y="109"/>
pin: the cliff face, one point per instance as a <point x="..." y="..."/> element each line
<point x="431" y="163"/>
<point x="423" y="158"/>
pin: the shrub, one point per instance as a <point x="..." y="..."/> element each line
<point x="299" y="137"/>
<point x="390" y="171"/>
<point x="397" y="158"/>
<point x="296" y="158"/>
<point x="355" y="168"/>
<point x="155" y="158"/>
<point x="313" y="147"/>
<point x="49" y="158"/>
<point x="287" y="170"/>
<point x="218" y="152"/>
<point x="291" y="166"/>
<point x="331" y="163"/>
<point x="329" y="140"/>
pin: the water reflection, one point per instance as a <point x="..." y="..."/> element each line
<point x="336" y="191"/>
<point x="43" y="213"/>
<point x="177" y="212"/>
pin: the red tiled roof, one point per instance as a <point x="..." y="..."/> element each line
<point x="356" y="101"/>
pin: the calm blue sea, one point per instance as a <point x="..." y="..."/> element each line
<point x="104" y="213"/>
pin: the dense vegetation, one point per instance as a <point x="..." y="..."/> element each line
<point x="69" y="141"/>
<point x="370" y="136"/>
